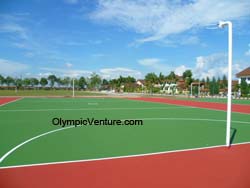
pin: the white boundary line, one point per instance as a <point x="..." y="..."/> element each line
<point x="85" y="109"/>
<point x="125" y="156"/>
<point x="56" y="130"/>
<point x="11" y="101"/>
<point x="29" y="140"/>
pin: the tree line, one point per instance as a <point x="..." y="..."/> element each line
<point x="127" y="84"/>
<point x="93" y="82"/>
<point x="52" y="81"/>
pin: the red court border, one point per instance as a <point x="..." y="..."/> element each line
<point x="217" y="167"/>
<point x="209" y="105"/>
<point x="6" y="100"/>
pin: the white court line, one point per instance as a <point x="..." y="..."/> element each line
<point x="29" y="140"/>
<point x="11" y="102"/>
<point x="85" y="109"/>
<point x="125" y="156"/>
<point x="44" y="134"/>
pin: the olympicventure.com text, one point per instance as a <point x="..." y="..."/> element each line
<point x="92" y="121"/>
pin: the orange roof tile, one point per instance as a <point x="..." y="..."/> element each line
<point x="245" y="72"/>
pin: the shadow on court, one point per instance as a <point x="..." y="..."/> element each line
<point x="234" y="131"/>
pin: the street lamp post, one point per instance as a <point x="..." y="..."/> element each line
<point x="222" y="24"/>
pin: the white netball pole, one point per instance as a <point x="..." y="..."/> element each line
<point x="73" y="89"/>
<point x="229" y="90"/>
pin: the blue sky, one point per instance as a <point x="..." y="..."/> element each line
<point x="118" y="37"/>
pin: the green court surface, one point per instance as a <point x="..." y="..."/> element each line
<point x="166" y="128"/>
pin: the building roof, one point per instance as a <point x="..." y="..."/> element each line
<point x="245" y="72"/>
<point x="179" y="77"/>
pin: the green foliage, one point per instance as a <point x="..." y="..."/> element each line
<point x="105" y="82"/>
<point x="18" y="82"/>
<point x="82" y="83"/>
<point x="76" y="83"/>
<point x="34" y="82"/>
<point x="161" y="78"/>
<point x="187" y="76"/>
<point x="213" y="87"/>
<point x="66" y="81"/>
<point x="95" y="81"/>
<point x="224" y="82"/>
<point x="59" y="81"/>
<point x="9" y="80"/>
<point x="207" y="82"/>
<point x="244" y="87"/>
<point x="26" y="82"/>
<point x="187" y="73"/>
<point x="155" y="90"/>
<point x="52" y="79"/>
<point x="172" y="77"/>
<point x="2" y="80"/>
<point x="196" y="90"/>
<point x="127" y="82"/>
<point x="43" y="82"/>
<point x="151" y="79"/>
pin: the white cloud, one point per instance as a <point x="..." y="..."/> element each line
<point x="64" y="72"/>
<point x="155" y="64"/>
<point x="110" y="73"/>
<point x="68" y="65"/>
<point x="15" y="29"/>
<point x="12" y="68"/>
<point x="160" y="18"/>
<point x="180" y="69"/>
<point x="149" y="61"/>
<point x="215" y="65"/>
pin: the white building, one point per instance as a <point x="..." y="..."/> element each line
<point x="245" y="74"/>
